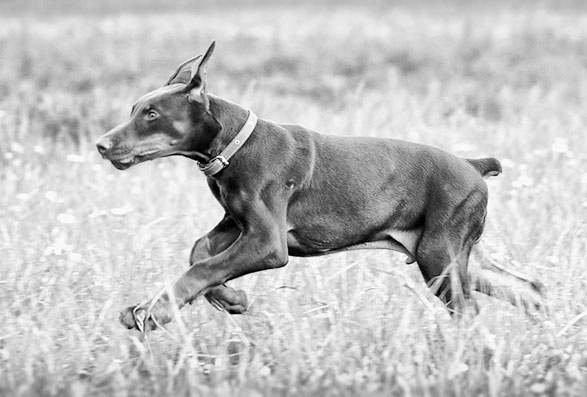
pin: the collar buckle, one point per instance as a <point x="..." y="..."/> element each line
<point x="222" y="160"/>
<point x="218" y="163"/>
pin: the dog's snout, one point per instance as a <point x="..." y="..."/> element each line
<point x="103" y="145"/>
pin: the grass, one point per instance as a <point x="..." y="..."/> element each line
<point x="80" y="240"/>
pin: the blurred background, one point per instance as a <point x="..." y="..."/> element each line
<point x="80" y="240"/>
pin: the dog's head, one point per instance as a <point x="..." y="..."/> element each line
<point x="172" y="120"/>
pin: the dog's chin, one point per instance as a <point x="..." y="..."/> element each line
<point x="123" y="165"/>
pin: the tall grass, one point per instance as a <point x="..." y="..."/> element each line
<point x="80" y="240"/>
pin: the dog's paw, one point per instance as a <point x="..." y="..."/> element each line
<point x="240" y="305"/>
<point x="144" y="317"/>
<point x="127" y="318"/>
<point x="235" y="309"/>
<point x="229" y="300"/>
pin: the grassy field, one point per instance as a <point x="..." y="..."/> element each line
<point x="80" y="240"/>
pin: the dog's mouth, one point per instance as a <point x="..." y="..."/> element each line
<point x="127" y="161"/>
<point x="123" y="164"/>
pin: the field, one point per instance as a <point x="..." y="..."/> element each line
<point x="80" y="240"/>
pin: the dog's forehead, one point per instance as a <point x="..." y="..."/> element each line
<point x="159" y="93"/>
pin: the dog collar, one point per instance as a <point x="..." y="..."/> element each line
<point x="220" y="162"/>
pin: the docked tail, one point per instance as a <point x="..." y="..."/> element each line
<point x="487" y="167"/>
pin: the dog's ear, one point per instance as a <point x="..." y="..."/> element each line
<point x="183" y="73"/>
<point x="197" y="85"/>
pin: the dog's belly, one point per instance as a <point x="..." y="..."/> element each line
<point x="404" y="241"/>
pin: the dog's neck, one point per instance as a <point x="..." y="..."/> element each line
<point x="231" y="117"/>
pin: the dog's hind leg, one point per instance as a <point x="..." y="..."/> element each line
<point x="516" y="288"/>
<point x="443" y="263"/>
<point x="221" y="237"/>
<point x="445" y="246"/>
<point x="529" y="296"/>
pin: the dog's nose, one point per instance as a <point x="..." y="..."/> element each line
<point x="103" y="145"/>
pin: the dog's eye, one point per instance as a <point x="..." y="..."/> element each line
<point x="152" y="115"/>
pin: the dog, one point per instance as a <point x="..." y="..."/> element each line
<point x="287" y="190"/>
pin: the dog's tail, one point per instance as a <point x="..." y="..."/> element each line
<point x="487" y="167"/>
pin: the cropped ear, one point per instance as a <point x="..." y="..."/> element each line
<point x="183" y="73"/>
<point x="197" y="85"/>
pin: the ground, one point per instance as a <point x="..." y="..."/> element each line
<point x="80" y="240"/>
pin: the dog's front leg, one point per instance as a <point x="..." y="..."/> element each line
<point x="261" y="245"/>
<point x="217" y="240"/>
